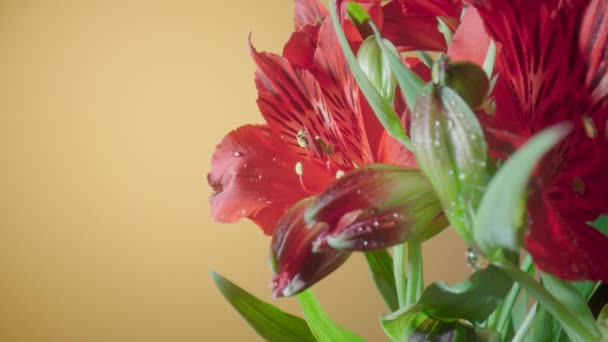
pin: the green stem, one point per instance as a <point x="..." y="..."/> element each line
<point x="399" y="272"/>
<point x="550" y="303"/>
<point x="505" y="310"/>
<point x="415" y="277"/>
<point x="525" y="326"/>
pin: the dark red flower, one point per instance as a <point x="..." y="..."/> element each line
<point x="552" y="66"/>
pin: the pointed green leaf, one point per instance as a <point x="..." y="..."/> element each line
<point x="500" y="215"/>
<point x="269" y="321"/>
<point x="572" y="299"/>
<point x="323" y="328"/>
<point x="602" y="321"/>
<point x="488" y="63"/>
<point x="383" y="109"/>
<point x="415" y="325"/>
<point x="381" y="268"/>
<point x="474" y="299"/>
<point x="601" y="224"/>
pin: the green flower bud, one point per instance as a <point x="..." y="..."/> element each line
<point x="376" y="67"/>
<point x="467" y="79"/>
<point x="451" y="151"/>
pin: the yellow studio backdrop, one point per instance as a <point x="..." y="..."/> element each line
<point x="109" y="114"/>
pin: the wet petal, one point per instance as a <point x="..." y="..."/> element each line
<point x="293" y="104"/>
<point x="374" y="207"/>
<point x="294" y="264"/>
<point x="250" y="170"/>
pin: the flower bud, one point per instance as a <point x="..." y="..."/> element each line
<point x="376" y="67"/>
<point x="292" y="260"/>
<point x="467" y="79"/>
<point x="451" y="151"/>
<point x="374" y="207"/>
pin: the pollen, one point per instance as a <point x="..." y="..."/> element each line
<point x="299" y="169"/>
<point x="302" y="138"/>
<point x="578" y="186"/>
<point x="589" y="126"/>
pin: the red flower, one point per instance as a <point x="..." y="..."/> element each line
<point x="552" y="65"/>
<point x="318" y="127"/>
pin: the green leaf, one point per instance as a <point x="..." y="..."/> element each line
<point x="445" y="30"/>
<point x="488" y="63"/>
<point x="383" y="109"/>
<point x="415" y="325"/>
<point x="381" y="268"/>
<point x="544" y="327"/>
<point x="572" y="299"/>
<point x="409" y="83"/>
<point x="474" y="299"/>
<point x="322" y="327"/>
<point x="500" y="215"/>
<point x="602" y="321"/>
<point x="601" y="224"/>
<point x="269" y="321"/>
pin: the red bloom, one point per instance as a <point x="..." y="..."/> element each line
<point x="318" y="126"/>
<point x="552" y="65"/>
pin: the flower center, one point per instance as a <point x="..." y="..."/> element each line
<point x="578" y="186"/>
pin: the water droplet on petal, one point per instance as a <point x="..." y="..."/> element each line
<point x="237" y="154"/>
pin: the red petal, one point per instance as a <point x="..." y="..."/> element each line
<point x="309" y="12"/>
<point x="292" y="102"/>
<point x="580" y="182"/>
<point x="566" y="248"/>
<point x="470" y="42"/>
<point x="342" y="95"/>
<point x="250" y="172"/>
<point x="295" y="265"/>
<point x="593" y="43"/>
<point x="300" y="48"/>
<point x="539" y="57"/>
<point x="413" y="25"/>
<point x="392" y="151"/>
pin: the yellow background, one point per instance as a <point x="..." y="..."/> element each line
<point x="109" y="113"/>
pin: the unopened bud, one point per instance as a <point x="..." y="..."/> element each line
<point x="467" y="79"/>
<point x="376" y="67"/>
<point x="374" y="207"/>
<point x="292" y="260"/>
<point x="451" y="151"/>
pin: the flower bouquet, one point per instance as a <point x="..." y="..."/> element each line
<point x="389" y="121"/>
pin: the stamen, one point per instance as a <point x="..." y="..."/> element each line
<point x="300" y="171"/>
<point x="302" y="138"/>
<point x="589" y="126"/>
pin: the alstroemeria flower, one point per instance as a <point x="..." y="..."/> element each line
<point x="318" y="127"/>
<point x="552" y="66"/>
